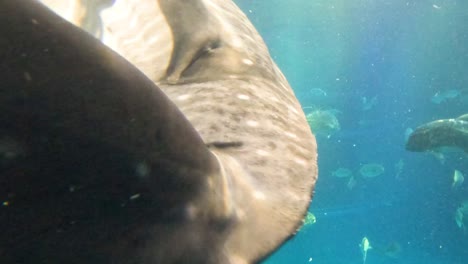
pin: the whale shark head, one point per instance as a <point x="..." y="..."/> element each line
<point x="192" y="148"/>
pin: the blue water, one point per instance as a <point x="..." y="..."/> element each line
<point x="403" y="53"/>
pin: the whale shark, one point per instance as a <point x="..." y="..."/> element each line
<point x="146" y="132"/>
<point x="439" y="134"/>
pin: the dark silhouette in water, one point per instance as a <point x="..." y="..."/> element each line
<point x="393" y="250"/>
<point x="440" y="133"/>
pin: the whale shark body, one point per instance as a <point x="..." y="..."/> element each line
<point x="439" y="134"/>
<point x="168" y="137"/>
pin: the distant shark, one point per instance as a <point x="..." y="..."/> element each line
<point x="99" y="165"/>
<point x="440" y="134"/>
<point x="364" y="246"/>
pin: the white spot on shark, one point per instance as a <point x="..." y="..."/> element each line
<point x="234" y="259"/>
<point x="247" y="61"/>
<point x="291" y="135"/>
<point x="262" y="152"/>
<point x="236" y="42"/>
<point x="252" y="123"/>
<point x="243" y="97"/>
<point x="135" y="196"/>
<point x="259" y="195"/>
<point x="183" y="97"/>
<point x="300" y="162"/>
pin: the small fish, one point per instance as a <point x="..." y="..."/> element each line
<point x="364" y="246"/>
<point x="399" y="168"/>
<point x="371" y="170"/>
<point x="457" y="179"/>
<point x="443" y="96"/>
<point x="309" y="220"/>
<point x="459" y="218"/>
<point x="460" y="214"/>
<point x="367" y="104"/>
<point x="351" y="183"/>
<point x="342" y="173"/>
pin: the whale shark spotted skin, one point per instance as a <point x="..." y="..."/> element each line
<point x="100" y="166"/>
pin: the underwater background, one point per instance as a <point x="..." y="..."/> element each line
<point x="370" y="71"/>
